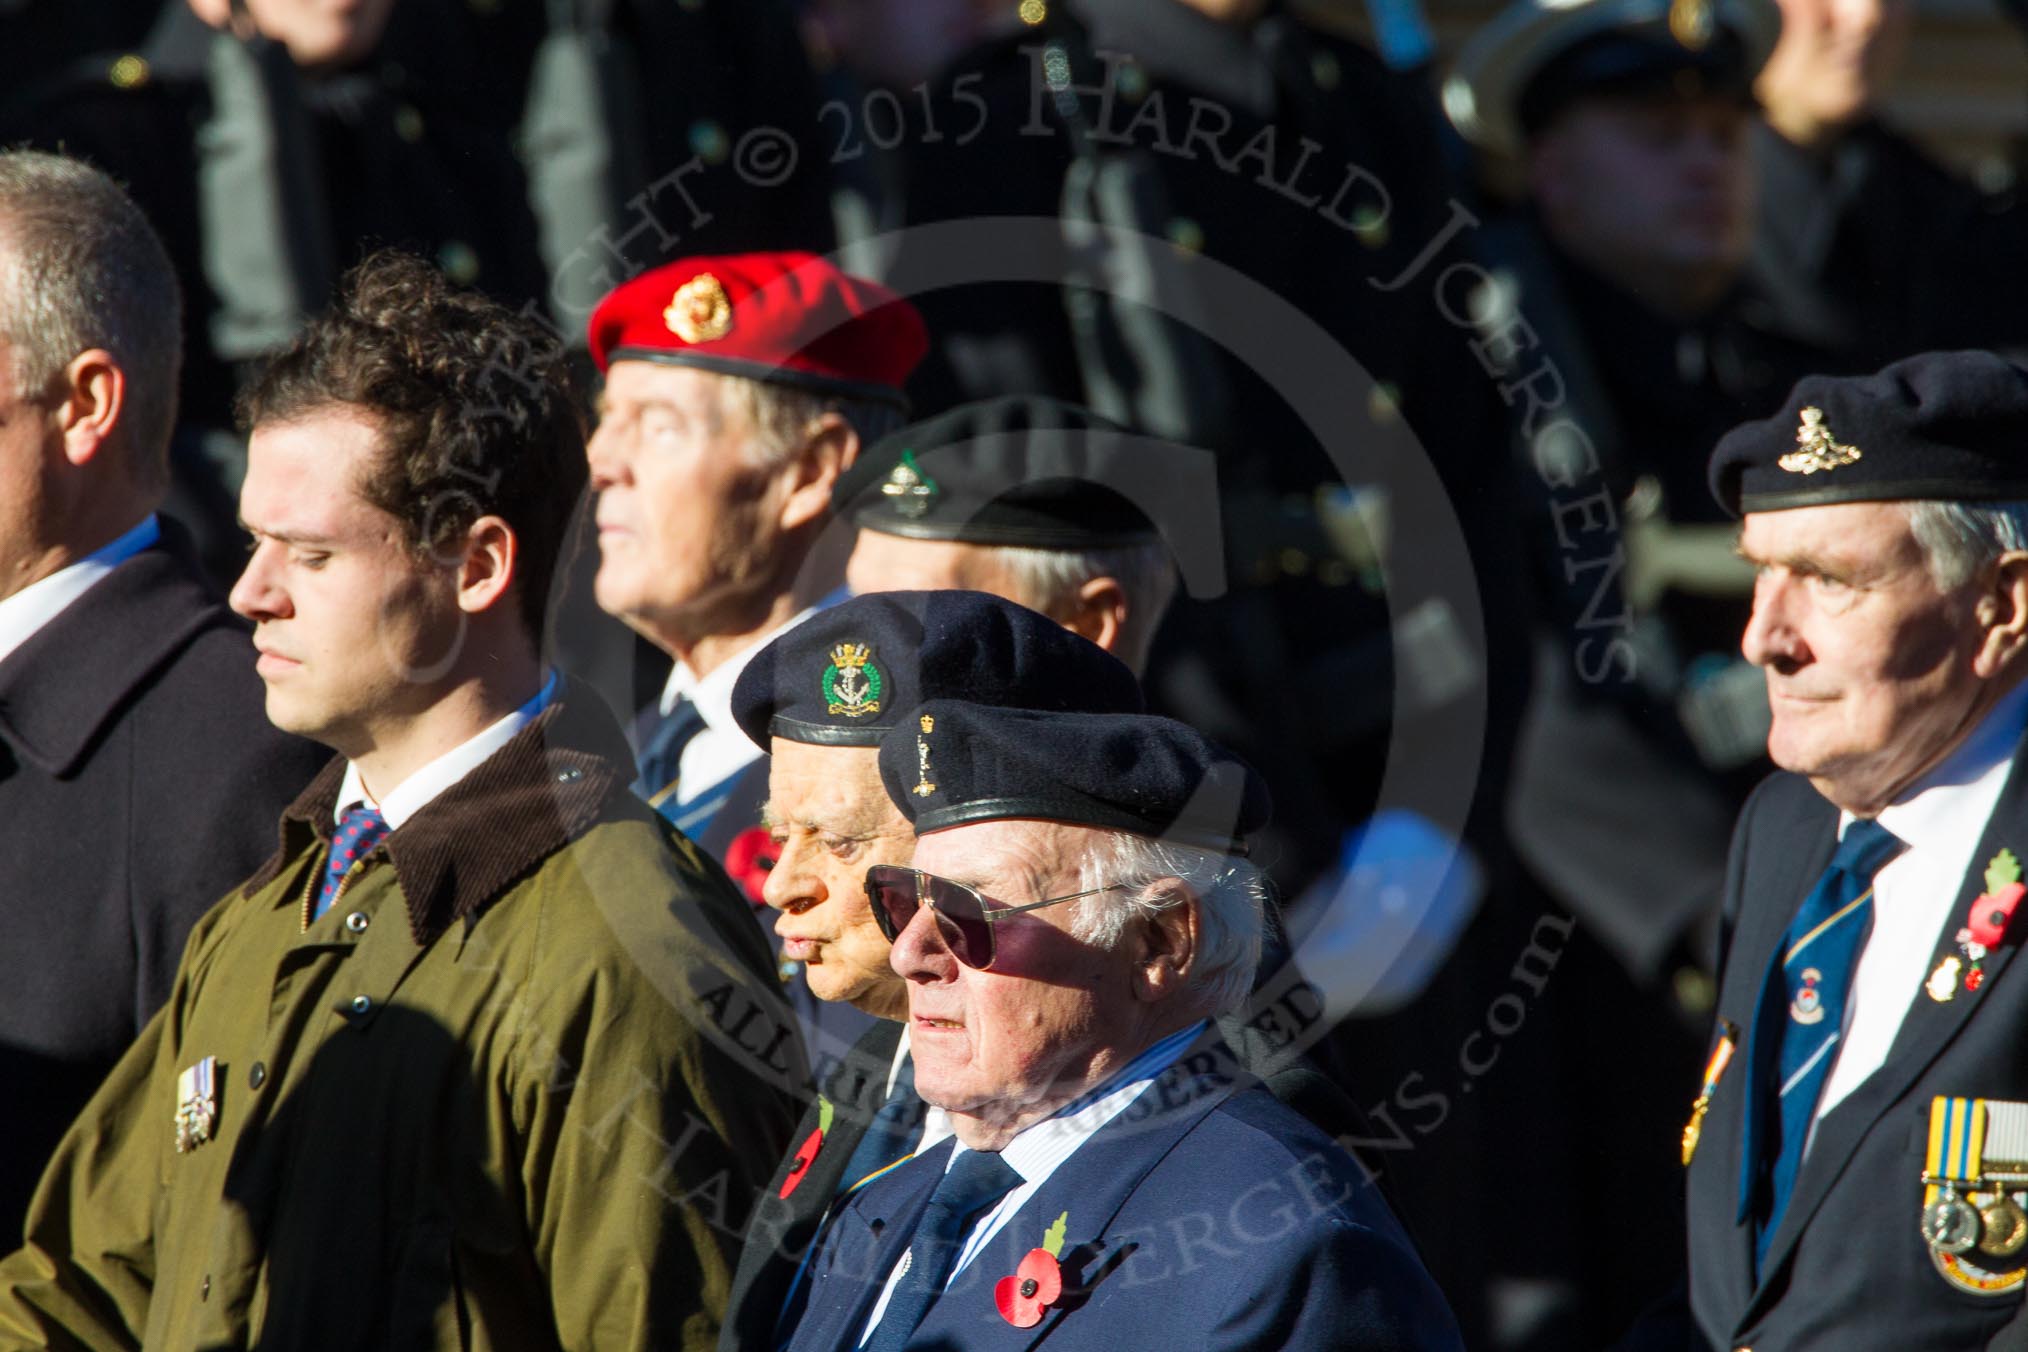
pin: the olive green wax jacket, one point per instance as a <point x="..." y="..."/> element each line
<point x="516" y="1089"/>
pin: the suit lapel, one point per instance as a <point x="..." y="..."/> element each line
<point x="860" y="1246"/>
<point x="1927" y="1028"/>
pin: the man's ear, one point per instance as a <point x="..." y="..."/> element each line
<point x="829" y="447"/>
<point x="488" y="565"/>
<point x="2002" y="611"/>
<point x="95" y="395"/>
<point x="1098" y="612"/>
<point x="1165" y="943"/>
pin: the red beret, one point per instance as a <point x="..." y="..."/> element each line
<point x="793" y="318"/>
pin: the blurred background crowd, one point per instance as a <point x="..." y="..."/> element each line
<point x="1458" y="299"/>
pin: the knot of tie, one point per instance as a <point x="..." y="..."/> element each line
<point x="360" y="828"/>
<point x="1866" y="849"/>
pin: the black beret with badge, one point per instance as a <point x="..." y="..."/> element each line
<point x="1536" y="56"/>
<point x="1018" y="470"/>
<point x="957" y="762"/>
<point x="1949" y="426"/>
<point x="854" y="671"/>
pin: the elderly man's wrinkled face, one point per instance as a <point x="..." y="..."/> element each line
<point x="1055" y="1015"/>
<point x="688" y="512"/>
<point x="832" y="820"/>
<point x="1872" y="672"/>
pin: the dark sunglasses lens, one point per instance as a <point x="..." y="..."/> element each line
<point x="892" y="894"/>
<point x="966" y="932"/>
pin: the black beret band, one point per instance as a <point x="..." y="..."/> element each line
<point x="1942" y="426"/>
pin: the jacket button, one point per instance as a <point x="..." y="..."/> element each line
<point x="569" y="776"/>
<point x="362" y="1004"/>
<point x="256" y="1076"/>
<point x="204" y="1291"/>
<point x="357" y="922"/>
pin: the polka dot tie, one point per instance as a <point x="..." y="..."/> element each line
<point x="359" y="830"/>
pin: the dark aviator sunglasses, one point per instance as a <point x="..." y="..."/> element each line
<point x="965" y="916"/>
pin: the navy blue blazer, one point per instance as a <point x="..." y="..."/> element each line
<point x="1206" y="1215"/>
<point x="1847" y="1267"/>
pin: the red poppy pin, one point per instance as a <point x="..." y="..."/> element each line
<point x="806" y="1153"/>
<point x="1984" y="927"/>
<point x="748" y="859"/>
<point x="1037" y="1284"/>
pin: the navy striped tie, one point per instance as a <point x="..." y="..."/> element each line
<point x="1795" y="1040"/>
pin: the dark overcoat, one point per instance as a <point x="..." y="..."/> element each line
<point x="139" y="780"/>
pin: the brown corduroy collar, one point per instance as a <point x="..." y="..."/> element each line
<point x="466" y="846"/>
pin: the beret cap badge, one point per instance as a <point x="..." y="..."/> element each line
<point x="1820" y="449"/>
<point x="913" y="491"/>
<point x="923" y="787"/>
<point x="1692" y="23"/>
<point x="852" y="684"/>
<point x="700" y="311"/>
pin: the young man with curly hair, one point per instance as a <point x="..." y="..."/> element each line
<point x="461" y="1065"/>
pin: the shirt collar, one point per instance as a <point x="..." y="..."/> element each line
<point x="553" y="781"/>
<point x="1951" y="803"/>
<point x="712" y="695"/>
<point x="413" y="793"/>
<point x="28" y="610"/>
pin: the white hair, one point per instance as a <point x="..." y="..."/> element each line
<point x="1047" y="581"/>
<point x="1960" y="539"/>
<point x="1232" y="907"/>
<point x="782" y="414"/>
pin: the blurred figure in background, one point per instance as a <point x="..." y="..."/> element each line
<point x="1027" y="498"/>
<point x="139" y="778"/>
<point x="1618" y="311"/>
<point x="275" y="142"/>
<point x="1864" y="242"/>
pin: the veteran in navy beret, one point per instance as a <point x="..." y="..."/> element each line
<point x="1078" y="911"/>
<point x="819" y="699"/>
<point x="1858" y="1151"/>
<point x="1044" y="502"/>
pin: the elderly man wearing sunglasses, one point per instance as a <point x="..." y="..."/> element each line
<point x="819" y="699"/>
<point x="1078" y="911"/>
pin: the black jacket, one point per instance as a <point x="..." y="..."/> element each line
<point x="139" y="780"/>
<point x="1848" y="1267"/>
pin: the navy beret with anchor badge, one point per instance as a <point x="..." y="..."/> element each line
<point x="1949" y="426"/>
<point x="1018" y="470"/>
<point x="852" y="672"/>
<point x="955" y="762"/>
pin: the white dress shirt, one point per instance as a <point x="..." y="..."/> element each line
<point x="721" y="750"/>
<point x="1036" y="1153"/>
<point x="1917" y="898"/>
<point x="410" y="796"/>
<point x="24" y="614"/>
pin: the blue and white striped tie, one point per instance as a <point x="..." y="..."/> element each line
<point x="1795" y="1042"/>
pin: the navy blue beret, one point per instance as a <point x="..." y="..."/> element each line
<point x="1949" y="426"/>
<point x="1017" y="470"/>
<point x="956" y="762"/>
<point x="851" y="672"/>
